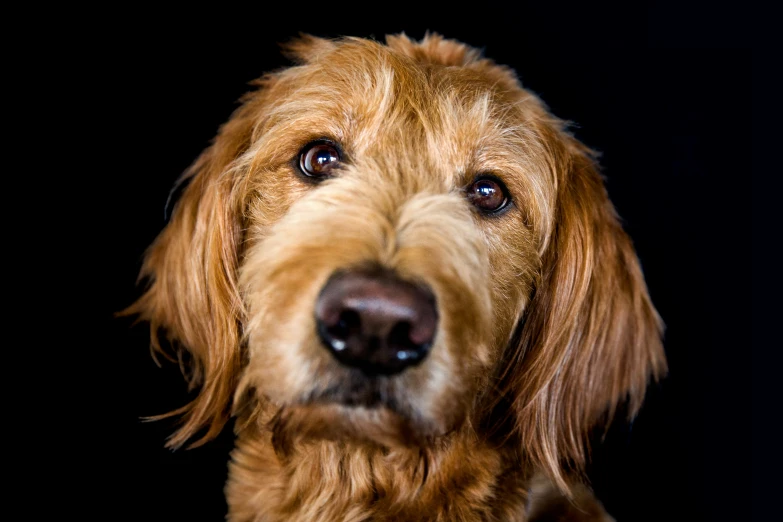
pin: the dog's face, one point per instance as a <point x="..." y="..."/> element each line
<point x="388" y="241"/>
<point x="379" y="169"/>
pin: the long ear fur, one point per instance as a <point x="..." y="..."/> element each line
<point x="191" y="267"/>
<point x="591" y="337"/>
<point x="192" y="294"/>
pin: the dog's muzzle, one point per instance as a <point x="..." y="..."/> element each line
<point x="375" y="321"/>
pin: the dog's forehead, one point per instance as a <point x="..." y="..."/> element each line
<point x="375" y="100"/>
<point x="367" y="79"/>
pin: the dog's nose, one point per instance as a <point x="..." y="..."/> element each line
<point x="375" y="321"/>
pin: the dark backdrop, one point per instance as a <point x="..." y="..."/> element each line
<point x="663" y="95"/>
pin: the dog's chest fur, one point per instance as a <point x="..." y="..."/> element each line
<point x="320" y="481"/>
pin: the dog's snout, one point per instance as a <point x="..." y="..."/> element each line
<point x="378" y="323"/>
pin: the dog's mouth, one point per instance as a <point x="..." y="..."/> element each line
<point x="357" y="408"/>
<point x="358" y="390"/>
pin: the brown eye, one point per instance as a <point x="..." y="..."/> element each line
<point x="488" y="194"/>
<point x="318" y="159"/>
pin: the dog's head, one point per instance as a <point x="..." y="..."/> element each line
<point x="393" y="242"/>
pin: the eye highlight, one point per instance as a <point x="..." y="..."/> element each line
<point x="318" y="159"/>
<point x="488" y="194"/>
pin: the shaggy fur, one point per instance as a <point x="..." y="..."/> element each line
<point x="545" y="321"/>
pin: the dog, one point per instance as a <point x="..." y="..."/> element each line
<point x="404" y="279"/>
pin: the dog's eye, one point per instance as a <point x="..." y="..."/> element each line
<point x="318" y="159"/>
<point x="489" y="194"/>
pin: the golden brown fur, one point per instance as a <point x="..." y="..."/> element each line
<point x="545" y="321"/>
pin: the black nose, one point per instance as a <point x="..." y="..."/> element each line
<point x="375" y="321"/>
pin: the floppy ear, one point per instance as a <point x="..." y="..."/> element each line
<point x="591" y="337"/>
<point x="192" y="296"/>
<point x="191" y="269"/>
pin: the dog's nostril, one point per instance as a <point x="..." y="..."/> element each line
<point x="376" y="322"/>
<point x="402" y="345"/>
<point x="348" y="324"/>
<point x="400" y="334"/>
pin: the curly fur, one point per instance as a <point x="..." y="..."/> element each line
<point x="546" y="324"/>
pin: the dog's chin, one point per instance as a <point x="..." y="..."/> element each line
<point x="338" y="422"/>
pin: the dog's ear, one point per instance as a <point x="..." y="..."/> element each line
<point x="192" y="296"/>
<point x="591" y="338"/>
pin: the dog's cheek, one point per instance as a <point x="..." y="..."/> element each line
<point x="269" y="197"/>
<point x="459" y="362"/>
<point x="285" y="361"/>
<point x="514" y="265"/>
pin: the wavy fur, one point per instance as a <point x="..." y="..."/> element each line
<point x="546" y="324"/>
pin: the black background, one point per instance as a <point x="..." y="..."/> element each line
<point x="664" y="95"/>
